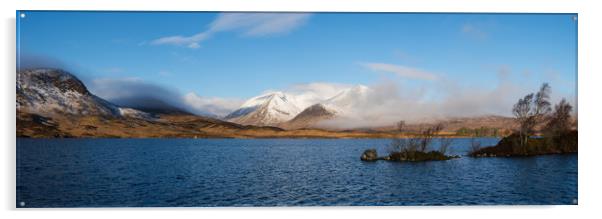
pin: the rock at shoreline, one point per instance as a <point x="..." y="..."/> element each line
<point x="369" y="155"/>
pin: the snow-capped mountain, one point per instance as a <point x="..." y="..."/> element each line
<point x="268" y="109"/>
<point x="50" y="92"/>
<point x="293" y="111"/>
<point x="341" y="105"/>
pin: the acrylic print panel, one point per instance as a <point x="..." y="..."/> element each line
<point x="198" y="109"/>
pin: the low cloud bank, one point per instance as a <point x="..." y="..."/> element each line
<point x="216" y="106"/>
<point x="136" y="93"/>
<point x="383" y="104"/>
<point x="390" y="101"/>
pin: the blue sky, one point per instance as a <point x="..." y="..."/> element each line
<point x="240" y="56"/>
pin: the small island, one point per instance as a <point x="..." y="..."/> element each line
<point x="414" y="149"/>
<point x="414" y="156"/>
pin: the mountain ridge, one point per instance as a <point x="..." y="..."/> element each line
<point x="55" y="103"/>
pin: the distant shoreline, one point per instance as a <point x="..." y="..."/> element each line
<point x="31" y="125"/>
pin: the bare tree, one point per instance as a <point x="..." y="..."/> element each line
<point x="542" y="102"/>
<point x="404" y="144"/>
<point x="427" y="136"/>
<point x="398" y="144"/>
<point x="522" y="112"/>
<point x="419" y="143"/>
<point x="560" y="120"/>
<point x="531" y="110"/>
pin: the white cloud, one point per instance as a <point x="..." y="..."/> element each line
<point x="249" y="24"/>
<point x="213" y="105"/>
<point x="190" y="41"/>
<point x="258" y="24"/>
<point x="312" y="93"/>
<point x="400" y="70"/>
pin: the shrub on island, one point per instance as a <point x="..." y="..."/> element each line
<point x="414" y="149"/>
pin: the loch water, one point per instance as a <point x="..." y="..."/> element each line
<point x="276" y="172"/>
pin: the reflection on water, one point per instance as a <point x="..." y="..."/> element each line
<point x="273" y="172"/>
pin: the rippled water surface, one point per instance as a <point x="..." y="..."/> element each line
<point x="275" y="172"/>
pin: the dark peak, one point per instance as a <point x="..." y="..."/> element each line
<point x="316" y="110"/>
<point x="59" y="78"/>
<point x="317" y="106"/>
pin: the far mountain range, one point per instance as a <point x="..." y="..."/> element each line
<point x="55" y="103"/>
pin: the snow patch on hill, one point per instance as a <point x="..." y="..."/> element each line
<point x="48" y="91"/>
<point x="268" y="109"/>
